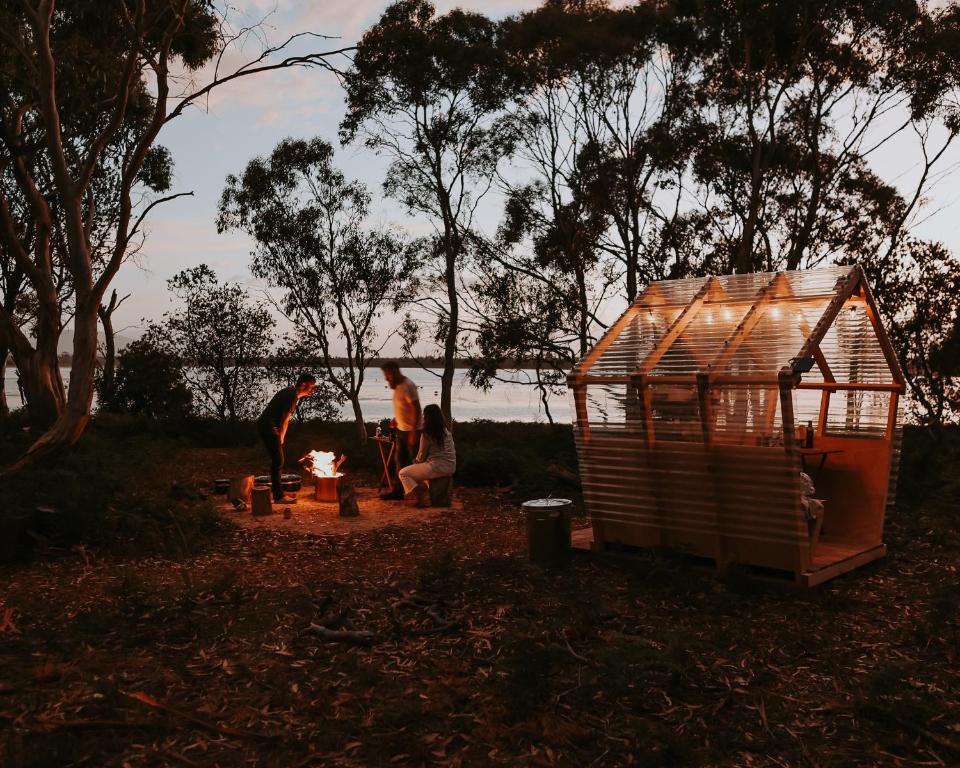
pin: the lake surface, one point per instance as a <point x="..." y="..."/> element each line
<point x="509" y="400"/>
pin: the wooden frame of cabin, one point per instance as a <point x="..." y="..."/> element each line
<point x="690" y="408"/>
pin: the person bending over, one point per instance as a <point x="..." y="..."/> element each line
<point x="272" y="426"/>
<point x="407" y="422"/>
<point x="437" y="456"/>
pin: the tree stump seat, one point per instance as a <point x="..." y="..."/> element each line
<point x="441" y="491"/>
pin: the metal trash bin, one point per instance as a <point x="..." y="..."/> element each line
<point x="548" y="530"/>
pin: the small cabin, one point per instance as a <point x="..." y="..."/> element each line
<point x="750" y="419"/>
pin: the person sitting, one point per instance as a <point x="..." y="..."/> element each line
<point x="436" y="458"/>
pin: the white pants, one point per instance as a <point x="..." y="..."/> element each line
<point x="413" y="474"/>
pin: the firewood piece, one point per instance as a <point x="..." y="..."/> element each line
<point x="262" y="501"/>
<point x="362" y="637"/>
<point x="145" y="698"/>
<point x="347" y="499"/>
<point x="240" y="490"/>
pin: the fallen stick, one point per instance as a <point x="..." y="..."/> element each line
<point x="361" y="637"/>
<point x="145" y="698"/>
<point x="75" y="725"/>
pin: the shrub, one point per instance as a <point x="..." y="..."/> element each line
<point x="149" y="382"/>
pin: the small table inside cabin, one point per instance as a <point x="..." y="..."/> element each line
<point x="805" y="452"/>
<point x="386" y="456"/>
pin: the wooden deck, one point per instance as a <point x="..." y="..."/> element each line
<point x="831" y="559"/>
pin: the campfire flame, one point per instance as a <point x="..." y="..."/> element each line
<point x="323" y="464"/>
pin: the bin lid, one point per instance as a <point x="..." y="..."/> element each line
<point x="546" y="503"/>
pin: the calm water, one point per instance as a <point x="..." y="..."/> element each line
<point x="506" y="401"/>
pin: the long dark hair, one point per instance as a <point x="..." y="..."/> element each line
<point x="434" y="424"/>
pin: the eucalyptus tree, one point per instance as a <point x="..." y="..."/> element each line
<point x="552" y="260"/>
<point x="794" y="98"/>
<point x="423" y="92"/>
<point x="338" y="278"/>
<point x="87" y="88"/>
<point x="634" y="103"/>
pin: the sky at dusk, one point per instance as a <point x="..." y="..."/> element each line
<point x="249" y="117"/>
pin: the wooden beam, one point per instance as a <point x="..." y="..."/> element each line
<point x="788" y="380"/>
<point x="573" y="380"/>
<point x="846" y="286"/>
<point x="613" y="332"/>
<point x="834" y="386"/>
<point x="706" y="410"/>
<point x="580" y="406"/>
<point x="652" y="297"/>
<point x="824" y="412"/>
<point x="889" y="353"/>
<point x="892" y="415"/>
<point x="677" y="327"/>
<point x="643" y="390"/>
<point x="813" y="298"/>
<point x="746" y="325"/>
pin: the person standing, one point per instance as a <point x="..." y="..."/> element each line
<point x="436" y="458"/>
<point x="272" y="426"/>
<point x="407" y="422"/>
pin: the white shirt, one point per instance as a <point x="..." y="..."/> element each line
<point x="405" y="406"/>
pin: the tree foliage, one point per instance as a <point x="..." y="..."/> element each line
<point x="337" y="277"/>
<point x="86" y="89"/>
<point x="223" y="337"/>
<point x="424" y="91"/>
<point x="149" y="382"/>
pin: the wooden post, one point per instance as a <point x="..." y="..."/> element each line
<point x="580" y="406"/>
<point x="788" y="380"/>
<point x="262" y="501"/>
<point x="347" y="499"/>
<point x="706" y="427"/>
<point x="642" y="383"/>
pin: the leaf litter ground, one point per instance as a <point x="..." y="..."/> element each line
<point x="436" y="643"/>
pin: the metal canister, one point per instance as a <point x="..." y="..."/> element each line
<point x="548" y="530"/>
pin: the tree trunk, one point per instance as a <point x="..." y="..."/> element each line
<point x="42" y="386"/>
<point x="110" y="353"/>
<point x="450" y="344"/>
<point x="4" y="408"/>
<point x="73" y="417"/>
<point x="358" y="418"/>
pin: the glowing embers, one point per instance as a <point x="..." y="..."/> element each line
<point x="324" y="466"/>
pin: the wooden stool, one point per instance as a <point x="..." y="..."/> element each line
<point x="441" y="491"/>
<point x="262" y="500"/>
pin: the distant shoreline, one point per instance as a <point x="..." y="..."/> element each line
<point x="66" y="361"/>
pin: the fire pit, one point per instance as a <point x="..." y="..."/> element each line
<point x="323" y="465"/>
